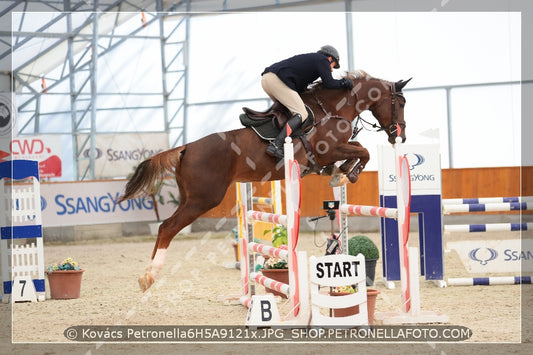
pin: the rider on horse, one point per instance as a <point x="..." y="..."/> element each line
<point x="284" y="81"/>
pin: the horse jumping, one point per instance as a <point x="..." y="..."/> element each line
<point x="204" y="169"/>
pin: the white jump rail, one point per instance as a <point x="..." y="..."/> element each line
<point x="267" y="217"/>
<point x="486" y="207"/>
<point x="360" y="210"/>
<point x="482" y="200"/>
<point x="489" y="227"/>
<point x="487" y="281"/>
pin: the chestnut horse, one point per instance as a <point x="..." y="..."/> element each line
<point x="204" y="169"/>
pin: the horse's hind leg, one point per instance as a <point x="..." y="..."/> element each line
<point x="197" y="199"/>
<point x="167" y="231"/>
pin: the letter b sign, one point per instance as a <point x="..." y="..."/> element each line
<point x="263" y="311"/>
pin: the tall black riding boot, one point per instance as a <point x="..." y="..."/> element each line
<point x="275" y="148"/>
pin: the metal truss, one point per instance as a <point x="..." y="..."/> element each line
<point x="64" y="56"/>
<point x="76" y="51"/>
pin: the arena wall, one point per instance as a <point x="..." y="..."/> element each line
<point x="457" y="183"/>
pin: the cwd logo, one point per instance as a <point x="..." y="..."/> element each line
<point x="415" y="160"/>
<point x="483" y="255"/>
<point x="28" y="147"/>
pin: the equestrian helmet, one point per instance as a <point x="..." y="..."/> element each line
<point x="330" y="51"/>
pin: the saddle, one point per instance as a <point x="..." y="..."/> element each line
<point x="267" y="124"/>
<point x="278" y="113"/>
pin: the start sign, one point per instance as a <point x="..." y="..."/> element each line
<point x="338" y="270"/>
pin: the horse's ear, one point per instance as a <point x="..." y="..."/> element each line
<point x="400" y="84"/>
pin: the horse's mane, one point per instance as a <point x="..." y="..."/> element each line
<point x="354" y="75"/>
<point x="359" y="75"/>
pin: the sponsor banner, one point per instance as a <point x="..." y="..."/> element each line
<point x="44" y="149"/>
<point x="486" y="256"/>
<point x="118" y="154"/>
<point x="424" y="163"/>
<point x="94" y="202"/>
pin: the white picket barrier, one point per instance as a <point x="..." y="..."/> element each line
<point x="20" y="219"/>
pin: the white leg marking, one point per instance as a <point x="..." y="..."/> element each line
<point x="157" y="262"/>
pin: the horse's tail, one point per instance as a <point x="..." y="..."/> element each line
<point x="151" y="171"/>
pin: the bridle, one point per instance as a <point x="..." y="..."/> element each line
<point x="392" y="128"/>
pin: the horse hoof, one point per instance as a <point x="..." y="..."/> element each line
<point x="335" y="180"/>
<point x="353" y="178"/>
<point x="344" y="180"/>
<point x="146" y="281"/>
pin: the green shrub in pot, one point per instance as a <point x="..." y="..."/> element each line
<point x="364" y="245"/>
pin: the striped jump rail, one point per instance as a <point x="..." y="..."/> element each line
<point x="491" y="227"/>
<point x="487" y="281"/>
<point x="486" y="207"/>
<point x="481" y="200"/>
<point x="360" y="210"/>
<point x="268" y="250"/>
<point x="267" y="282"/>
<point x="263" y="201"/>
<point x="267" y="217"/>
<point x="270" y="283"/>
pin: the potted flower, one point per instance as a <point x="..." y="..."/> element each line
<point x="361" y="244"/>
<point x="371" y="296"/>
<point x="279" y="236"/>
<point x="342" y="291"/>
<point x="276" y="269"/>
<point x="64" y="279"/>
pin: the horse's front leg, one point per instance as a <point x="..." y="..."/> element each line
<point x="338" y="173"/>
<point x="356" y="157"/>
<point x="360" y="163"/>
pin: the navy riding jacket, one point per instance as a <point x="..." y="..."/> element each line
<point x="301" y="70"/>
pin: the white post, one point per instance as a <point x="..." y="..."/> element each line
<point x="292" y="234"/>
<point x="402" y="197"/>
